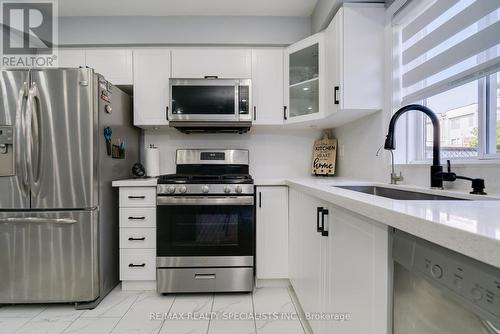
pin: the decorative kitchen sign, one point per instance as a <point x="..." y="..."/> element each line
<point x="324" y="156"/>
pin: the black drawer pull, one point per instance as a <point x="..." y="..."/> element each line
<point x="324" y="213"/>
<point x="137" y="197"/>
<point x="137" y="265"/>
<point x="318" y="213"/>
<point x="136" y="218"/>
<point x="136" y="239"/>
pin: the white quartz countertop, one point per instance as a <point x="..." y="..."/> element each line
<point x="147" y="182"/>
<point x="468" y="227"/>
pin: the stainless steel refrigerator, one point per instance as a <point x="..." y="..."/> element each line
<point x="58" y="211"/>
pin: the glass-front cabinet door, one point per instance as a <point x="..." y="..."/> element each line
<point x="304" y="74"/>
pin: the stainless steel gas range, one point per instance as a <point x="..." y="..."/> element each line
<point x="205" y="223"/>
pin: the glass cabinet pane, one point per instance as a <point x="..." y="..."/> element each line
<point x="304" y="98"/>
<point x="304" y="81"/>
<point x="304" y="64"/>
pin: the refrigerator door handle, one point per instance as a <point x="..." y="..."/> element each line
<point x="33" y="136"/>
<point x="38" y="220"/>
<point x="21" y="160"/>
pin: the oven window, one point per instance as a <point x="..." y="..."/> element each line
<point x="203" y="100"/>
<point x="223" y="230"/>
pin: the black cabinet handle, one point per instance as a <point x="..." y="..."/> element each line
<point x="284" y="113"/>
<point x="318" y="213"/>
<point x="166" y="112"/>
<point x="131" y="265"/>
<point x="136" y="239"/>
<point x="136" y="218"/>
<point x="260" y="199"/>
<point x="324" y="213"/>
<point x="335" y="95"/>
<point x="254" y="113"/>
<point x="211" y="77"/>
<point x="137" y="197"/>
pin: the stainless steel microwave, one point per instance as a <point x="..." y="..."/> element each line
<point x="217" y="105"/>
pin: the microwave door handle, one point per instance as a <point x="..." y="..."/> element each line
<point x="237" y="100"/>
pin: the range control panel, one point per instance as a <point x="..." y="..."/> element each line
<point x="7" y="156"/>
<point x="474" y="284"/>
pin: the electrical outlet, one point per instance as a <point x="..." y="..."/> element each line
<point x="341" y="150"/>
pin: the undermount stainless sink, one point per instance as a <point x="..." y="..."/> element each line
<point x="404" y="195"/>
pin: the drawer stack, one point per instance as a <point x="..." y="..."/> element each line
<point x="138" y="238"/>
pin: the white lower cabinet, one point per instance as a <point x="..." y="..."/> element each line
<point x="138" y="238"/>
<point x="343" y="274"/>
<point x="307" y="255"/>
<point x="272" y="232"/>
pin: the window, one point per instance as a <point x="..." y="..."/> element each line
<point x="457" y="109"/>
<point x="447" y="57"/>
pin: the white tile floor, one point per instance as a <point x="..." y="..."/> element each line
<point x="126" y="312"/>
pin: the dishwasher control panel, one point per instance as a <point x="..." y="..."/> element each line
<point x="7" y="156"/>
<point x="474" y="284"/>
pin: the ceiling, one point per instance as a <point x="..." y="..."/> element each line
<point x="186" y="7"/>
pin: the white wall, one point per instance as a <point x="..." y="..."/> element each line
<point x="273" y="153"/>
<point x="358" y="143"/>
<point x="325" y="11"/>
<point x="179" y="30"/>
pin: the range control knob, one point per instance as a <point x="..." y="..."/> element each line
<point x="205" y="189"/>
<point x="227" y="189"/>
<point x="239" y="189"/>
<point x="182" y="189"/>
<point x="436" y="271"/>
<point x="171" y="189"/>
<point x="476" y="294"/>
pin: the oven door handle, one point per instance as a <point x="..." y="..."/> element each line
<point x="205" y="200"/>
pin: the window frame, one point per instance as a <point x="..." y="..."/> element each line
<point x="415" y="124"/>
<point x="486" y="126"/>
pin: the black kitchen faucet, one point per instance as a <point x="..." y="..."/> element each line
<point x="437" y="174"/>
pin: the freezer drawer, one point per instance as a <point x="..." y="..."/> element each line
<point x="174" y="280"/>
<point x="48" y="256"/>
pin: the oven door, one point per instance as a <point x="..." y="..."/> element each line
<point x="205" y="226"/>
<point x="209" y="100"/>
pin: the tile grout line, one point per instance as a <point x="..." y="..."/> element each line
<point x="27" y="322"/>
<point x="124" y="314"/>
<point x="295" y="308"/>
<point x="71" y="323"/>
<point x="253" y="309"/>
<point x="169" y="309"/>
<point x="211" y="309"/>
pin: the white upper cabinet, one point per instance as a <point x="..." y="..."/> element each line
<point x="114" y="64"/>
<point x="267" y="86"/>
<point x="71" y="58"/>
<point x="336" y="76"/>
<point x="151" y="90"/>
<point x="355" y="60"/>
<point x="208" y="62"/>
<point x="304" y="79"/>
<point x="272" y="232"/>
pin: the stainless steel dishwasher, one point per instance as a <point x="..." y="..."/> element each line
<point x="439" y="291"/>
